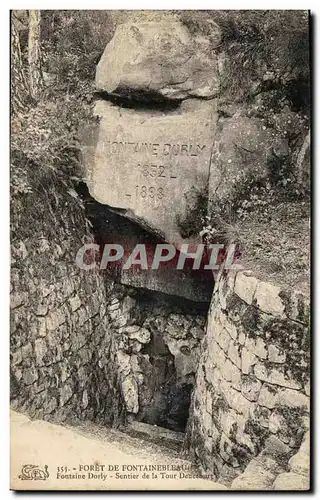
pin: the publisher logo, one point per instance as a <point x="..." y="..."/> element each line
<point x="30" y="472"/>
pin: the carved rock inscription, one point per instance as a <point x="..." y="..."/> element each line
<point x="147" y="162"/>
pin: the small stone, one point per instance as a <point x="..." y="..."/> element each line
<point x="142" y="335"/>
<point x="275" y="355"/>
<point x="123" y="361"/>
<point x="275" y="448"/>
<point x="268" y="396"/>
<point x="248" y="359"/>
<point x="42" y="310"/>
<point x="250" y="388"/>
<point x="293" y="399"/>
<point x="245" y="287"/>
<point x="129" y="330"/>
<point x="130" y="394"/>
<point x="277" y="423"/>
<point x="43" y="245"/>
<point x="291" y="481"/>
<point x="16" y="358"/>
<point x="21" y="251"/>
<point x="235" y="399"/>
<point x="75" y="303"/>
<point x="114" y="301"/>
<point x="40" y="350"/>
<point x="197" y="332"/>
<point x="231" y="373"/>
<point x="223" y="340"/>
<point x="184" y="365"/>
<point x="17" y="373"/>
<point x="135" y="365"/>
<point x="114" y="306"/>
<point x="135" y="346"/>
<point x="268" y="300"/>
<point x="65" y="394"/>
<point x="85" y="400"/>
<point x="242" y="338"/>
<point x="176" y="327"/>
<point x="30" y="375"/>
<point x="226" y="451"/>
<point x="17" y="300"/>
<point x="261" y="415"/>
<point x="274" y="376"/>
<point x="27" y="353"/>
<point x="55" y="319"/>
<point x="233" y="354"/>
<point x="260" y="349"/>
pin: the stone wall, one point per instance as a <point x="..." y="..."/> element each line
<point x="252" y="388"/>
<point x="61" y="343"/>
<point x="157" y="346"/>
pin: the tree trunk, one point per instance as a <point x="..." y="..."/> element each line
<point x="34" y="53"/>
<point x="19" y="85"/>
<point x="301" y="156"/>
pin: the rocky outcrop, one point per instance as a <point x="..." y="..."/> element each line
<point x="62" y="368"/>
<point x="160" y="58"/>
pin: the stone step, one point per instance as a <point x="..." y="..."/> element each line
<point x="156" y="433"/>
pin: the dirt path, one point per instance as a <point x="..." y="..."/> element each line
<point x="120" y="462"/>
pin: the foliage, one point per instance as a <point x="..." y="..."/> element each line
<point x="265" y="49"/>
<point x="45" y="165"/>
<point x="45" y="144"/>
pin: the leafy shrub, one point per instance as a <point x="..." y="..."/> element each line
<point x="73" y="42"/>
<point x="45" y="163"/>
<point x="264" y="48"/>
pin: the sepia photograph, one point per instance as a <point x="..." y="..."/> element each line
<point x="160" y="234"/>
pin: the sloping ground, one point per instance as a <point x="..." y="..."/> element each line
<point x="66" y="450"/>
<point x="276" y="247"/>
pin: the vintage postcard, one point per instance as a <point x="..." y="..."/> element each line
<point x="160" y="241"/>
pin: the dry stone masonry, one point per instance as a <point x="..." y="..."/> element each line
<point x="160" y="58"/>
<point x="164" y="158"/>
<point x="62" y="366"/>
<point x="157" y="348"/>
<point x="92" y="346"/>
<point x="252" y="395"/>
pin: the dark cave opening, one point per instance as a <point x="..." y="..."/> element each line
<point x="167" y="363"/>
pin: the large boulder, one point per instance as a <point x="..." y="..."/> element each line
<point x="160" y="58"/>
<point x="244" y="149"/>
